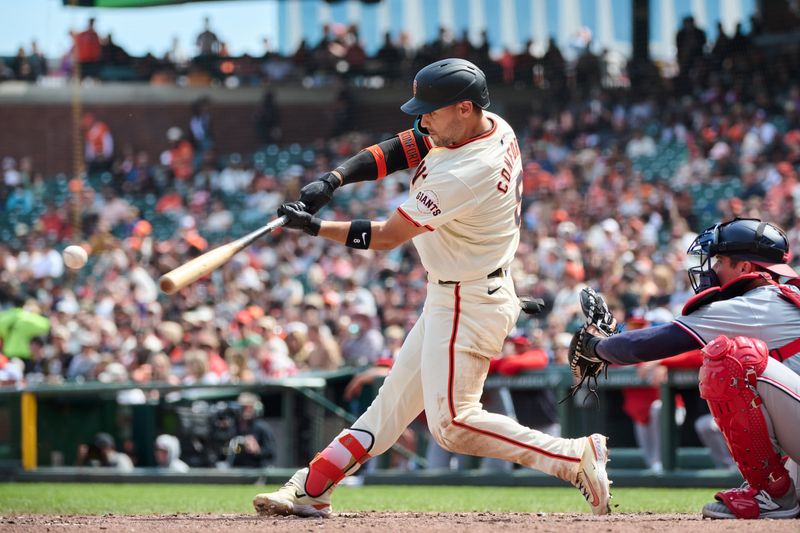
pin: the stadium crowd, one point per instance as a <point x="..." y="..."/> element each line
<point x="340" y="56"/>
<point x="615" y="188"/>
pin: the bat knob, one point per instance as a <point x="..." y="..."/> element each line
<point x="167" y="285"/>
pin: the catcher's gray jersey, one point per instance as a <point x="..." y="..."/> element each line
<point x="759" y="313"/>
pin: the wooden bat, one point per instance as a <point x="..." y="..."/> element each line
<point x="178" y="278"/>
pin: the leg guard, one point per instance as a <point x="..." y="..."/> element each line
<point x="329" y="467"/>
<point x="728" y="384"/>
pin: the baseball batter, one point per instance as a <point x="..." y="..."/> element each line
<point x="463" y="215"/>
<point x="749" y="327"/>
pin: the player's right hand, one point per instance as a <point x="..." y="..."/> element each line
<point x="318" y="193"/>
<point x="299" y="218"/>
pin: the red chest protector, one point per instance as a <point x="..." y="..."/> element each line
<point x="737" y="287"/>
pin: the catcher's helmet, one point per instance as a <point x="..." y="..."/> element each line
<point x="447" y="82"/>
<point x="743" y="239"/>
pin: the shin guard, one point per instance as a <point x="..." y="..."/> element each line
<point x="728" y="383"/>
<point x="350" y="448"/>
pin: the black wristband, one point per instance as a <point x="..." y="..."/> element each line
<point x="590" y="346"/>
<point x="313" y="226"/>
<point x="360" y="234"/>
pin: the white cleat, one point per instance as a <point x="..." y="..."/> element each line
<point x="291" y="499"/>
<point x="592" y="478"/>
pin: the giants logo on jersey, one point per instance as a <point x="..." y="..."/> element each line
<point x="428" y="201"/>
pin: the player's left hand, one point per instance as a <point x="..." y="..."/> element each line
<point x="531" y="306"/>
<point x="299" y="218"/>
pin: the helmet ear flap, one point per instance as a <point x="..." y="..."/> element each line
<point x="418" y="127"/>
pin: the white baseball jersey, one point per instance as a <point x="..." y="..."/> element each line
<point x="760" y="313"/>
<point x="469" y="197"/>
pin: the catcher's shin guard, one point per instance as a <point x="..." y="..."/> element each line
<point x="728" y="383"/>
<point x="348" y="450"/>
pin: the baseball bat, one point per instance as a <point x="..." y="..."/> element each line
<point x="180" y="277"/>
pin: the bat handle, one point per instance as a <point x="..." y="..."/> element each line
<point x="278" y="222"/>
<point x="260" y="232"/>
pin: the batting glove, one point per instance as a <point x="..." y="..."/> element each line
<point x="299" y="218"/>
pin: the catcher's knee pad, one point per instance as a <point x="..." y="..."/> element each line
<point x="331" y="465"/>
<point x="728" y="383"/>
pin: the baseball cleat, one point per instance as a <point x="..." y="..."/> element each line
<point x="592" y="478"/>
<point x="749" y="503"/>
<point x="291" y="499"/>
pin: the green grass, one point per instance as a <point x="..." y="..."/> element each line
<point x="128" y="499"/>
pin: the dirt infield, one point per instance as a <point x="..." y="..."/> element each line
<point x="394" y="522"/>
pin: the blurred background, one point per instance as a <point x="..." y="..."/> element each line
<point x="150" y="131"/>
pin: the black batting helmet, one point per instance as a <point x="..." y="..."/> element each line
<point x="445" y="83"/>
<point x="744" y="239"/>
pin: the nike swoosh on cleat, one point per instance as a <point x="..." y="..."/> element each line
<point x="492" y="291"/>
<point x="298" y="494"/>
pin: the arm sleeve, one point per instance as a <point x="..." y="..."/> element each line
<point x="404" y="150"/>
<point x="693" y="359"/>
<point x="649" y="344"/>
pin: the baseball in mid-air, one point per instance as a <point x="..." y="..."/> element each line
<point x="75" y="256"/>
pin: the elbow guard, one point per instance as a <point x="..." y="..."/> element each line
<point x="404" y="150"/>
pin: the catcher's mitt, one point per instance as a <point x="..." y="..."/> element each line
<point x="585" y="364"/>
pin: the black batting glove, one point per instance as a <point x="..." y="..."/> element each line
<point x="318" y="193"/>
<point x="299" y="218"/>
<point x="532" y="306"/>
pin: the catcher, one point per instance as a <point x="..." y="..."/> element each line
<point x="747" y="324"/>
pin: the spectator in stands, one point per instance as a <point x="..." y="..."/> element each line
<point x="197" y="371"/>
<point x="554" y="67"/>
<point x="208" y="44"/>
<point x="21" y="66"/>
<point x="37" y="61"/>
<point x="268" y="119"/>
<point x="37" y="363"/>
<point x="88" y="50"/>
<point x="235" y="177"/>
<point x="640" y="145"/>
<point x="179" y="157"/>
<point x="11" y="176"/>
<point x="364" y="342"/>
<point x="99" y="144"/>
<point x="113" y="54"/>
<point x="219" y="219"/>
<point x="200" y="129"/>
<point x="20" y="201"/>
<point x="11" y="371"/>
<point x="18" y="326"/>
<point x="102" y="453"/>
<point x="567" y="300"/>
<point x="389" y="57"/>
<point x="176" y="55"/>
<point x="167" y="452"/>
<point x="325" y="353"/>
<point x="689" y="42"/>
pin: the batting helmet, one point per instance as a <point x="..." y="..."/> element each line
<point x="744" y="239"/>
<point x="445" y="83"/>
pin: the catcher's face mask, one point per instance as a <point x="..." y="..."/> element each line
<point x="703" y="277"/>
